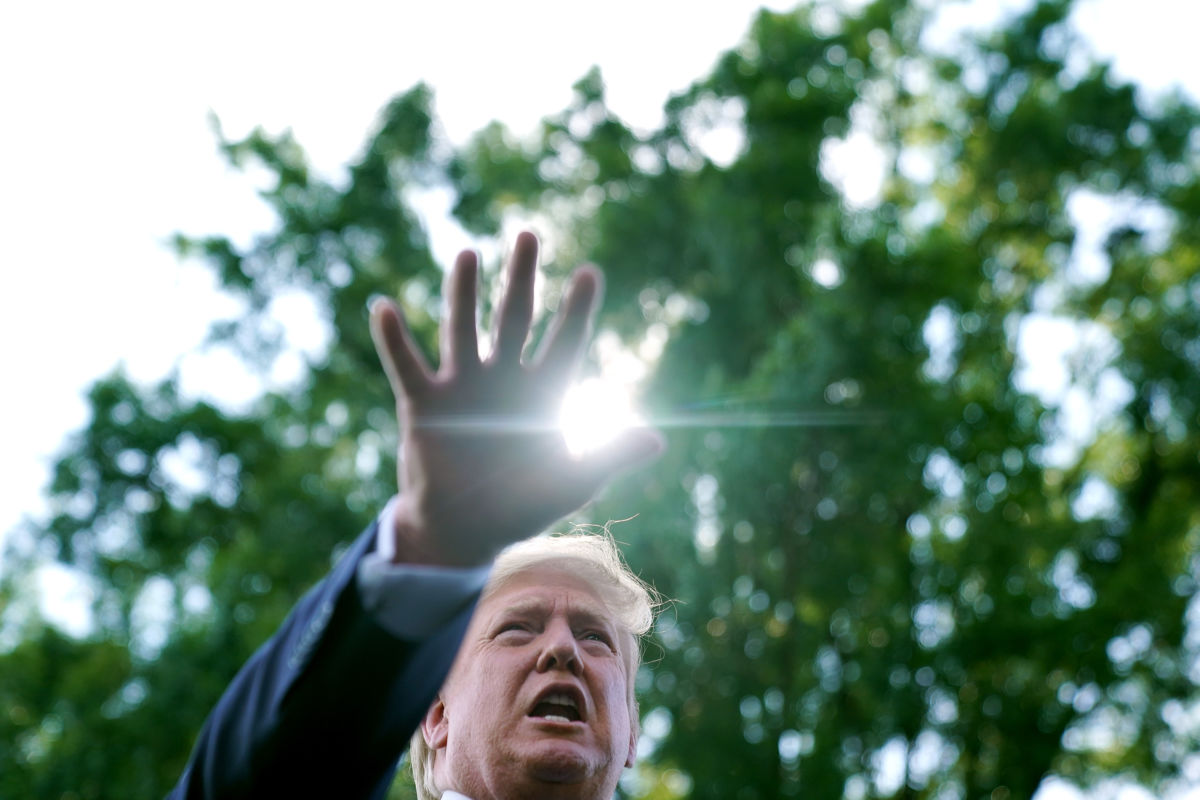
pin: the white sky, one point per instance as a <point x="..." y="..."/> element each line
<point x="105" y="148"/>
<point x="105" y="151"/>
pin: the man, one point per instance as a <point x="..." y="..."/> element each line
<point x="540" y="702"/>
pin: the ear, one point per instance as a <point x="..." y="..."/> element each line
<point x="633" y="740"/>
<point x="435" y="726"/>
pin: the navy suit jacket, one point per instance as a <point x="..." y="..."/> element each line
<point x="326" y="707"/>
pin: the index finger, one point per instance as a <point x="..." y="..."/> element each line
<point x="565" y="341"/>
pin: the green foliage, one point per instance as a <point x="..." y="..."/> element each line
<point x="880" y="541"/>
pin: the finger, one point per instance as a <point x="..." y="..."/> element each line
<point x="565" y="342"/>
<point x="460" y="343"/>
<point x="516" y="307"/>
<point x="631" y="448"/>
<point x="406" y="368"/>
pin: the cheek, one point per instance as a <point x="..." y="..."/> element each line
<point x="494" y="676"/>
<point x="616" y="695"/>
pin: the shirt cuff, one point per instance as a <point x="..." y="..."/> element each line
<point x="411" y="601"/>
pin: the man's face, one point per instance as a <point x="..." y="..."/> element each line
<point x="537" y="704"/>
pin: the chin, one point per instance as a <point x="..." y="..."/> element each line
<point x="562" y="762"/>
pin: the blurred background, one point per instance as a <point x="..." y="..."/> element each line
<point x="909" y="286"/>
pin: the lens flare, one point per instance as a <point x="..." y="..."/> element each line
<point x="594" y="412"/>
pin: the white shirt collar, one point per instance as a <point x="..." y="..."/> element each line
<point x="454" y="796"/>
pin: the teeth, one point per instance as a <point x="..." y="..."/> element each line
<point x="556" y="718"/>
<point x="561" y="700"/>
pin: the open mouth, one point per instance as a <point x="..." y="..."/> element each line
<point x="557" y="706"/>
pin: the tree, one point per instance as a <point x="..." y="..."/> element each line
<point x="898" y="571"/>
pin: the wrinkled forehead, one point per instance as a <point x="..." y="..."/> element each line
<point x="569" y="581"/>
<point x="545" y="589"/>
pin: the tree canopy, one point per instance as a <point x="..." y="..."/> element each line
<point x="901" y="568"/>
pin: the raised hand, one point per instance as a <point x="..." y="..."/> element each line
<point x="482" y="461"/>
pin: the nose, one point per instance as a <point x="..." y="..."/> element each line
<point x="559" y="650"/>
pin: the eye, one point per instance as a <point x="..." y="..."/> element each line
<point x="597" y="636"/>
<point x="513" y="630"/>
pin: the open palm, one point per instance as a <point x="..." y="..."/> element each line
<point x="483" y="463"/>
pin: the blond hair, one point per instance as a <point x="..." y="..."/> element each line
<point x="594" y="557"/>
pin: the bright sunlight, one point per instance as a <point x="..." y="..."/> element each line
<point x="594" y="412"/>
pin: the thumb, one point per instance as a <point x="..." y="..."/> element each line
<point x="631" y="448"/>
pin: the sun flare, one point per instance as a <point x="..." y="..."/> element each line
<point x="594" y="412"/>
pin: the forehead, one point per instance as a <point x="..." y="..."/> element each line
<point x="546" y="589"/>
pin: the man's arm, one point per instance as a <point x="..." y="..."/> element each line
<point x="328" y="703"/>
<point x="325" y="707"/>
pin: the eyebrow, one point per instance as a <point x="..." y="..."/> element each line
<point x="529" y="608"/>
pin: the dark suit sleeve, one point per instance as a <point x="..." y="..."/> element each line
<point x="326" y="706"/>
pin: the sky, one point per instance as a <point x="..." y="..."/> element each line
<point x="106" y="149"/>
